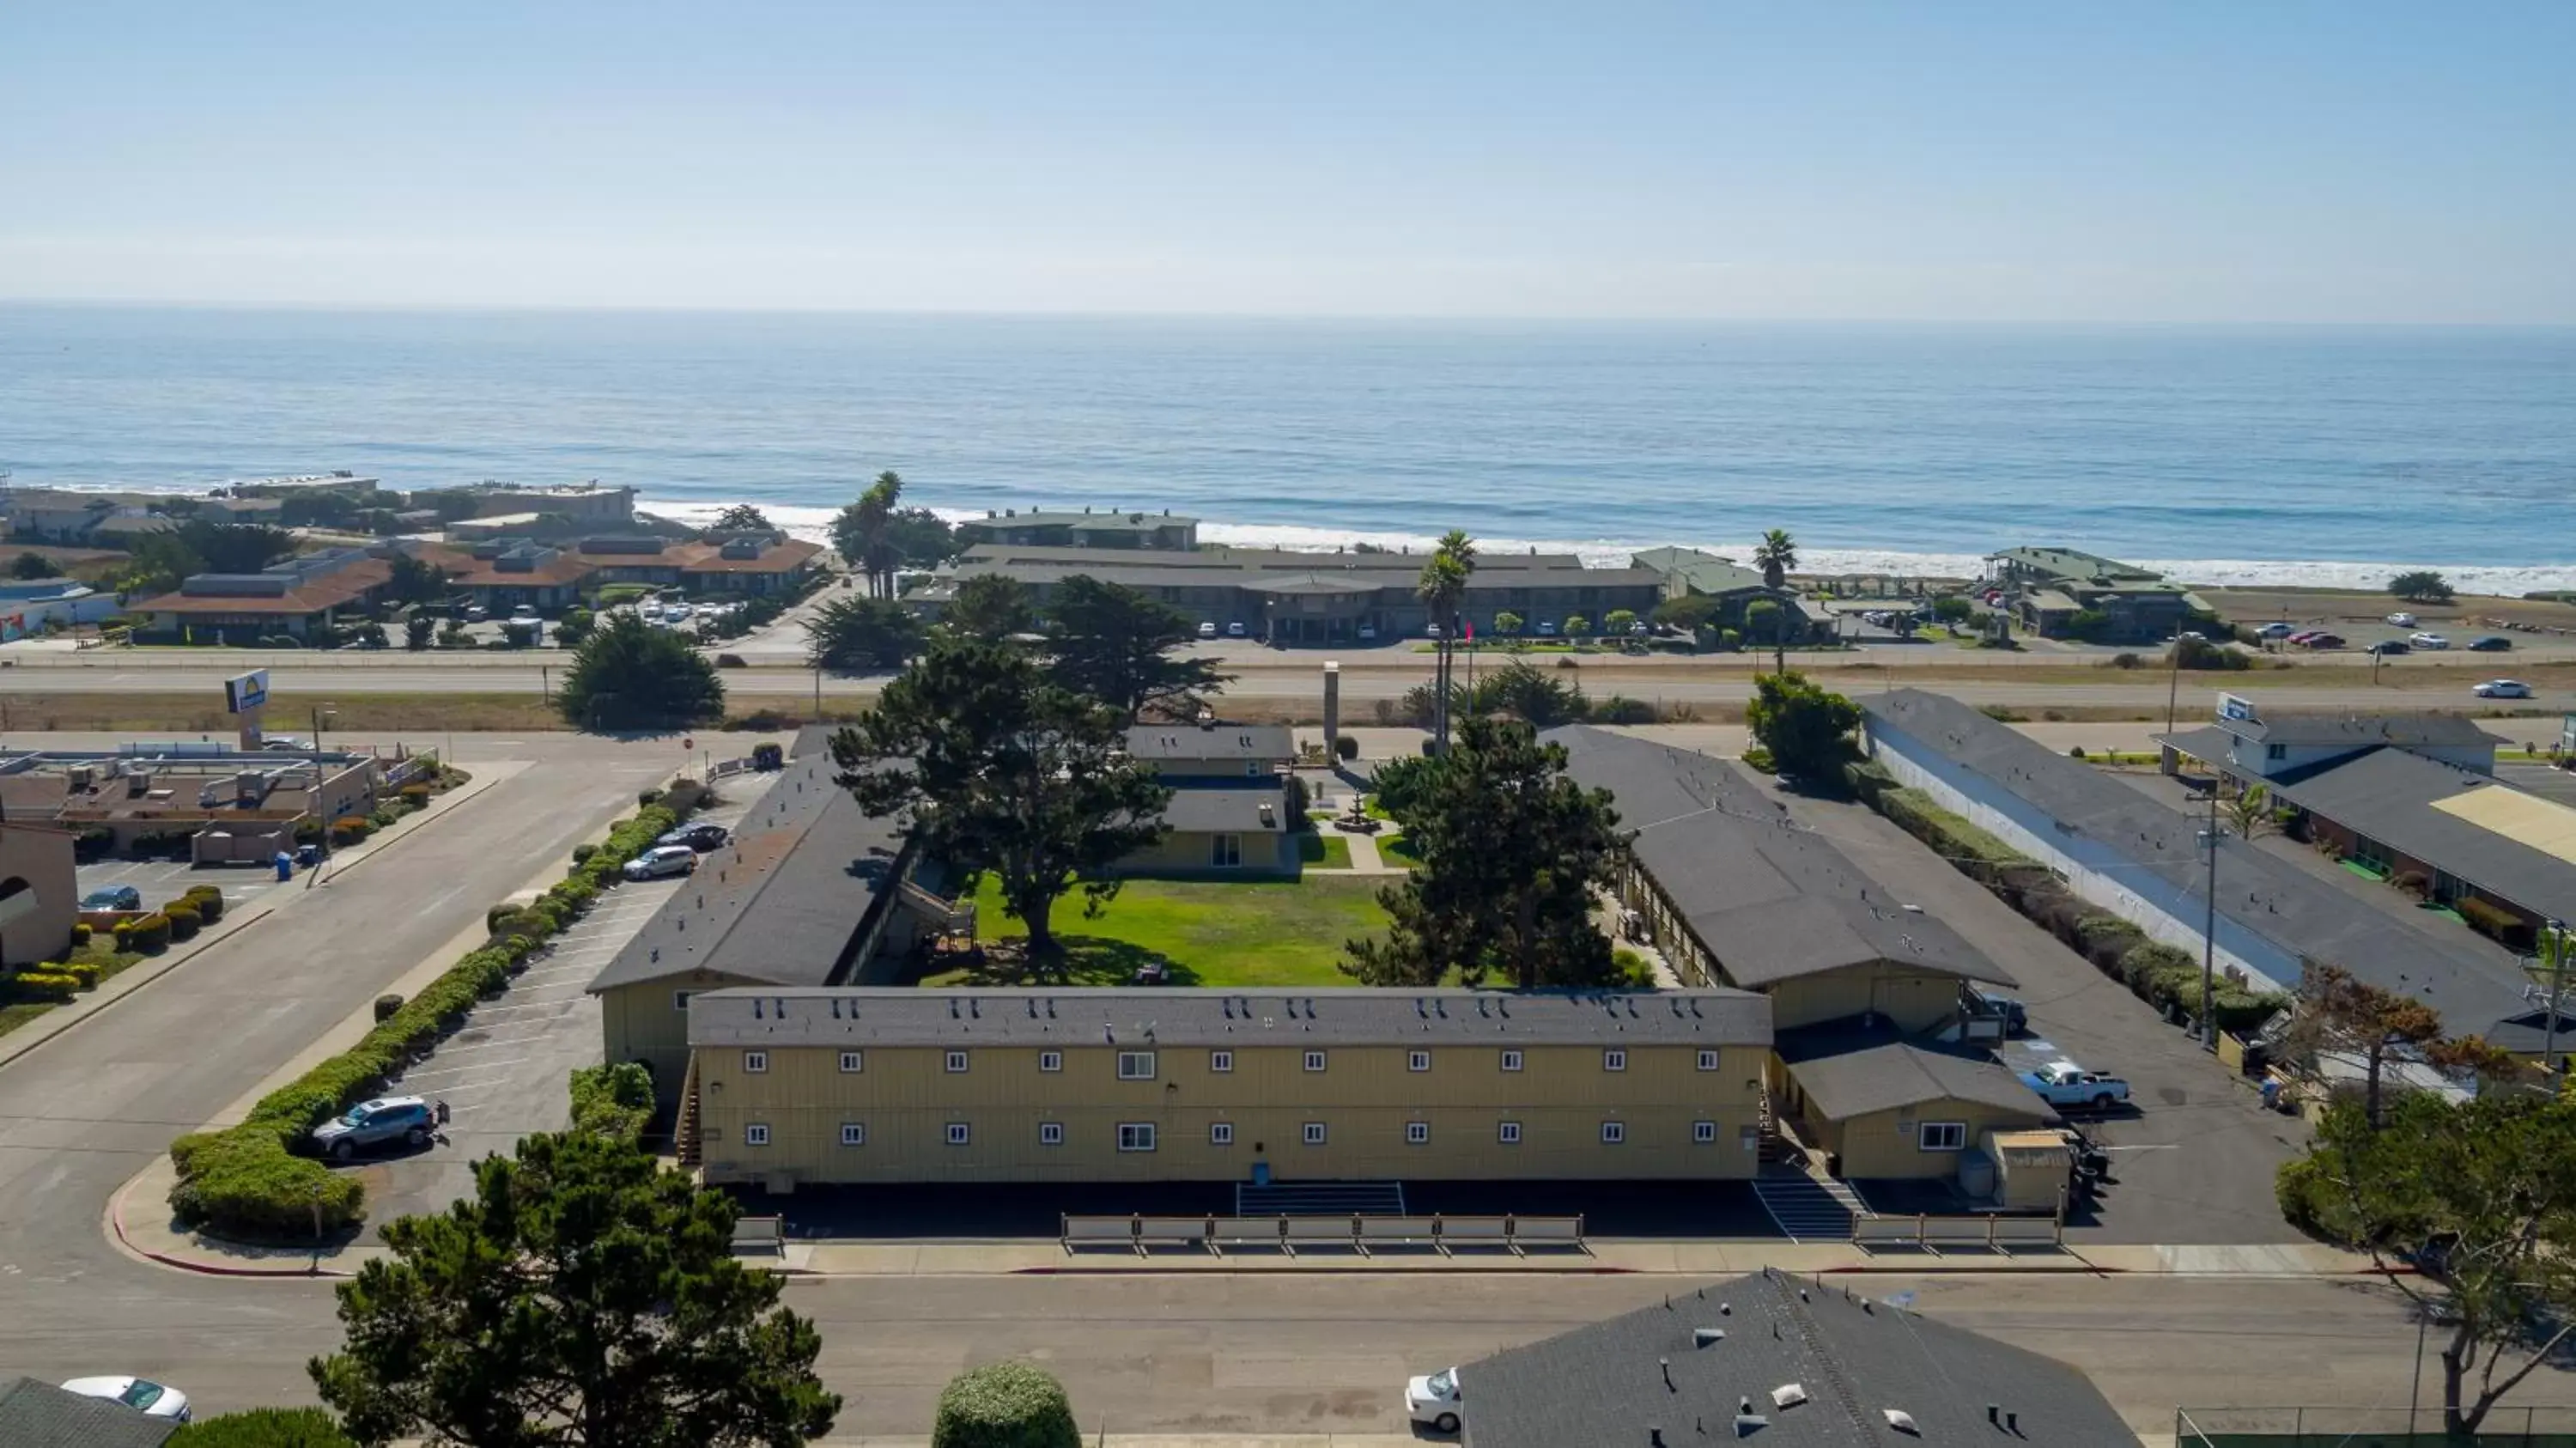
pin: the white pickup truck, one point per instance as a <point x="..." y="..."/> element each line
<point x="2063" y="1083"/>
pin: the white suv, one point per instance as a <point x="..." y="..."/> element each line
<point x="1435" y="1400"/>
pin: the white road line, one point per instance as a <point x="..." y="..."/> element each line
<point x="461" y="1070"/>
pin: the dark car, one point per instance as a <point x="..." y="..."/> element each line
<point x="2323" y="641"/>
<point x="699" y="837"/>
<point x="113" y="897"/>
<point x="2016" y="1015"/>
<point x="2491" y="644"/>
<point x="2389" y="646"/>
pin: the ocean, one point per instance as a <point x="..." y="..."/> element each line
<point x="2314" y="456"/>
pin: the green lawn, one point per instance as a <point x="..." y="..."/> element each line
<point x="1328" y="852"/>
<point x="1398" y="849"/>
<point x="101" y="949"/>
<point x="1206" y="933"/>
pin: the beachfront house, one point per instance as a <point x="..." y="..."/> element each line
<point x="2068" y="593"/>
<point x="1086" y="529"/>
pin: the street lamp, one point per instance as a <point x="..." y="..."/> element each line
<point x="2209" y="839"/>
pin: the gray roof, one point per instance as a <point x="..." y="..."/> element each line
<point x="1106" y="520"/>
<point x="1346" y="1016"/>
<point x="1849" y="1071"/>
<point x="783" y="902"/>
<point x="2362" y="731"/>
<point x="1702" y="572"/>
<point x="40" y="1415"/>
<point x="1406" y="566"/>
<point x="2435" y="962"/>
<point x="2389" y="794"/>
<point x="1770" y="899"/>
<point x="2075" y="563"/>
<point x="1855" y="1359"/>
<point x="1220" y="741"/>
<point x="1283" y="571"/>
<point x="1232" y="811"/>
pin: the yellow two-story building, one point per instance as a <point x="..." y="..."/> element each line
<point x="793" y="1087"/>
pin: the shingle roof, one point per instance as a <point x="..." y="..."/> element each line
<point x="2073" y="563"/>
<point x="1239" y="811"/>
<point x="1856" y="1361"/>
<point x="1847" y="1071"/>
<point x="1771" y="900"/>
<point x="1705" y="572"/>
<point x="2390" y="795"/>
<point x="1221" y="741"/>
<point x="1104" y="521"/>
<point x="783" y="902"/>
<point x="40" y="1415"/>
<point x="1346" y="1016"/>
<point x="2362" y="731"/>
<point x="2435" y="962"/>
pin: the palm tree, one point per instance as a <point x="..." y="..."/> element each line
<point x="1443" y="588"/>
<point x="1775" y="556"/>
<point x="876" y="525"/>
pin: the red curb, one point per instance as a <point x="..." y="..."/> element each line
<point x="116" y="1220"/>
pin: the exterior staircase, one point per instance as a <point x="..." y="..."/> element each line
<point x="1808" y="1206"/>
<point x="684" y="1132"/>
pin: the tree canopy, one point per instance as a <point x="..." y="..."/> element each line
<point x="2421" y="585"/>
<point x="32" y="565"/>
<point x="1005" y="1405"/>
<point x="855" y="635"/>
<point x="989" y="606"/>
<point x="1541" y="698"/>
<point x="741" y="518"/>
<point x="1806" y="727"/>
<point x="1442" y="589"/>
<point x="1775" y="555"/>
<point x="1116" y="644"/>
<point x="627" y="675"/>
<point x="416" y="580"/>
<point x="876" y="535"/>
<point x="1511" y="849"/>
<point x="581" y="1298"/>
<point x="999" y="768"/>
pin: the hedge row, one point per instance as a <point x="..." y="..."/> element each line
<point x="247" y="1182"/>
<point x="613" y="1100"/>
<point x="1981" y="856"/>
<point x="264" y="1428"/>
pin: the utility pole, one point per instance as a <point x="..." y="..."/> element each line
<point x="2554" y="946"/>
<point x="2173" y="687"/>
<point x="2209" y="839"/>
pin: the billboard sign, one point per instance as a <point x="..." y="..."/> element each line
<point x="2236" y="706"/>
<point x="246" y="692"/>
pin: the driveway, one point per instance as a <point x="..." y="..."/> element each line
<point x="2193" y="1163"/>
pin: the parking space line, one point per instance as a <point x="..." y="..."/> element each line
<point x="462" y="1070"/>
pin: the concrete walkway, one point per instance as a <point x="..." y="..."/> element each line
<point x="1366" y="858"/>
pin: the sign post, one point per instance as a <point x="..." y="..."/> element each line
<point x="244" y="696"/>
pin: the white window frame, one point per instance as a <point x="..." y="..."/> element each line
<point x="1704" y="1133"/>
<point x="755" y="1062"/>
<point x="1225" y="851"/>
<point x="853" y="1062"/>
<point x="1136" y="1065"/>
<point x="1614" y="1133"/>
<point x="1050" y="1133"/>
<point x="1614" y="1060"/>
<point x="1511" y="1060"/>
<point x="956" y="1063"/>
<point x="1941" y="1136"/>
<point x="1316" y="1060"/>
<point x="1417" y="1060"/>
<point x="1220" y="1133"/>
<point x="756" y="1134"/>
<point x="1050" y="1060"/>
<point x="961" y="1133"/>
<point x="1508" y="1132"/>
<point x="1314" y="1133"/>
<point x="1417" y="1133"/>
<point x="1136" y="1136"/>
<point x="1708" y="1061"/>
<point x="1220" y="1062"/>
<point x="854" y="1133"/>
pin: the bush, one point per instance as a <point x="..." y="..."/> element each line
<point x="1759" y="759"/>
<point x="2500" y="925"/>
<point x="80" y="934"/>
<point x="2105" y="938"/>
<point x="148" y="934"/>
<point x="771" y="756"/>
<point x="1346" y="747"/>
<point x="264" y="1428"/>
<point x="206" y="900"/>
<point x="686" y="798"/>
<point x="1867" y="779"/>
<point x="1619" y="709"/>
<point x="614" y="1101"/>
<point x="86" y="972"/>
<point x="44" y="985"/>
<point x="1976" y="853"/>
<point x="415" y="794"/>
<point x="583" y="852"/>
<point x="498" y="916"/>
<point x="184" y="922"/>
<point x="350" y="829"/>
<point x="2158" y="972"/>
<point x="648" y="796"/>
<point x="386" y="1005"/>
<point x="1005" y="1405"/>
<point x="2127" y="661"/>
<point x="2299" y="1186"/>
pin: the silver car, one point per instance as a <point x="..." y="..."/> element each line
<point x="411" y="1120"/>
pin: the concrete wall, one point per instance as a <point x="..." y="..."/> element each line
<point x="39" y="894"/>
<point x="2092" y="869"/>
<point x="906" y="1099"/>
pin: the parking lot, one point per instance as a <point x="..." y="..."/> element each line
<point x="162" y="881"/>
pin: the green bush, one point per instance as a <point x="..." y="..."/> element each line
<point x="1977" y="854"/>
<point x="206" y="900"/>
<point x="148" y="934"/>
<point x="1759" y="759"/>
<point x="614" y="1101"/>
<point x="350" y="829"/>
<point x="2105" y="938"/>
<point x="415" y="793"/>
<point x="2239" y="1010"/>
<point x="583" y="852"/>
<point x="2503" y="926"/>
<point x="80" y="934"/>
<point x="86" y="972"/>
<point x="44" y="985"/>
<point x="264" y="1428"/>
<point x="2300" y="1187"/>
<point x="1005" y="1405"/>
<point x="1867" y="779"/>
<point x="648" y="796"/>
<point x="184" y="921"/>
<point x="2158" y="972"/>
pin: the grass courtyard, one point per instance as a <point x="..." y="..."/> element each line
<point x="1203" y="932"/>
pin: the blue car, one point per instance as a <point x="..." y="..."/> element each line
<point x="113" y="897"/>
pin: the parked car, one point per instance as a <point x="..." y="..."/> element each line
<point x="2428" y="641"/>
<point x="1434" y="1400"/>
<point x="1368" y="633"/>
<point x="476" y="613"/>
<point x="1236" y="630"/>
<point x="2401" y="620"/>
<point x="285" y="743"/>
<point x="2491" y="644"/>
<point x="2323" y="641"/>
<point x="1431" y="630"/>
<point x="661" y="860"/>
<point x="2502" y="689"/>
<point x="700" y="837"/>
<point x="153" y="1400"/>
<point x="127" y="897"/>
<point x="2063" y="1083"/>
<point x="408" y="1119"/>
<point x="1207" y="630"/>
<point x="524" y="613"/>
<point x="1640" y="629"/>
<point x="2016" y="1015"/>
<point x="2277" y="630"/>
<point x="2388" y="647"/>
<point x="1547" y="628"/>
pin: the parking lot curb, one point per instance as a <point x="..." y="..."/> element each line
<point x="178" y="1263"/>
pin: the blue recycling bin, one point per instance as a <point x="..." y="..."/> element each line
<point x="308" y="855"/>
<point x="285" y="864"/>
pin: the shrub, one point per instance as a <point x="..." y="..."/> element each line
<point x="2105" y="938"/>
<point x="1866" y="779"/>
<point x="2299" y="1186"/>
<point x="2127" y="661"/>
<point x="2239" y="1010"/>
<point x="44" y="985"/>
<point x="498" y="916"/>
<point x="2157" y="972"/>
<point x="2501" y="925"/>
<point x="583" y="851"/>
<point x="415" y="792"/>
<point x="1346" y="747"/>
<point x="648" y="796"/>
<point x="614" y="1101"/>
<point x="148" y="934"/>
<point x="264" y="1428"/>
<point x="384" y="814"/>
<point x="686" y="798"/>
<point x="1004" y="1405"/>
<point x="1759" y="759"/>
<point x="1619" y="709"/>
<point x="86" y="972"/>
<point x="350" y="829"/>
<point x="387" y="1004"/>
<point x="2413" y="882"/>
<point x="184" y="921"/>
<point x="1980" y="855"/>
<point x="771" y="756"/>
<point x="206" y="900"/>
<point x="80" y="934"/>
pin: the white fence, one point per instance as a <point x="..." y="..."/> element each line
<point x="1358" y="1232"/>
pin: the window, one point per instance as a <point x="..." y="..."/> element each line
<point x="1511" y="1060"/>
<point x="854" y="1133"/>
<point x="1613" y="1133"/>
<point x="956" y="1061"/>
<point x="755" y="1062"/>
<point x="1221" y="1133"/>
<point x="1416" y="1132"/>
<point x="1135" y="1136"/>
<point x="1942" y="1136"/>
<point x="1314" y="1060"/>
<point x="1314" y="1133"/>
<point x="2276" y="751"/>
<point x="1226" y="851"/>
<point x="852" y="1061"/>
<point x="1050" y="1060"/>
<point x="1417" y="1061"/>
<point x="1708" y="1060"/>
<point x="1509" y="1133"/>
<point x="680" y="999"/>
<point x="1050" y="1133"/>
<point x="1703" y="1132"/>
<point x="756" y="1134"/>
<point x="959" y="1134"/>
<point x="1252" y="769"/>
<point x="1135" y="1065"/>
<point x="1220" y="1061"/>
<point x="1614" y="1060"/>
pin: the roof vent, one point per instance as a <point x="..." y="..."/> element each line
<point x="1788" y="1395"/>
<point x="1707" y="1336"/>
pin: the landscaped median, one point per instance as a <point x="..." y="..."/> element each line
<point x="248" y="1183"/>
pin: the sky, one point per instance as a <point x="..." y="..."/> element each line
<point x="2174" y="162"/>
